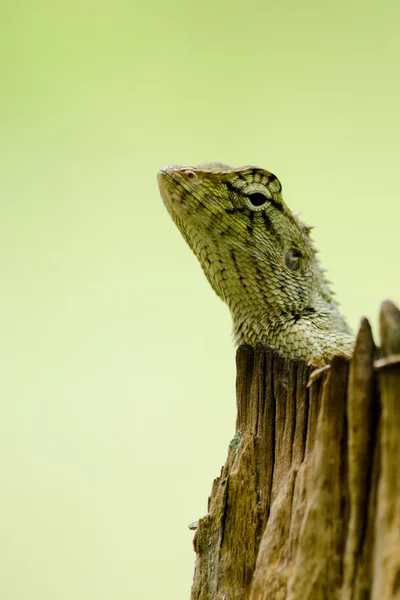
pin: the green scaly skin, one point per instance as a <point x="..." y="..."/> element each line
<point x="258" y="257"/>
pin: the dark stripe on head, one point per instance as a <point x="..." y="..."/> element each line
<point x="232" y="187"/>
<point x="250" y="225"/>
<point x="266" y="220"/>
<point x="276" y="204"/>
<point x="235" y="263"/>
<point x="273" y="178"/>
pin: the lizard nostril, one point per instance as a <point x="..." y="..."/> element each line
<point x="191" y="175"/>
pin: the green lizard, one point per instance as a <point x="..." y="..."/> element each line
<point x="258" y="257"/>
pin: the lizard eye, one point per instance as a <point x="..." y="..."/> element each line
<point x="257" y="199"/>
<point x="292" y="259"/>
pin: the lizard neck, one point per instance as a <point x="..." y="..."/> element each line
<point x="319" y="327"/>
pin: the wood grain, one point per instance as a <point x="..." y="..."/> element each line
<point x="307" y="505"/>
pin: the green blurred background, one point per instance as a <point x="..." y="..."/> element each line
<point x="117" y="367"/>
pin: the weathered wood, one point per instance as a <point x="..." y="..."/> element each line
<point x="363" y="420"/>
<point x="386" y="581"/>
<point x="307" y="505"/>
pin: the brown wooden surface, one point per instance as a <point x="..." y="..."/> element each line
<point x="307" y="505"/>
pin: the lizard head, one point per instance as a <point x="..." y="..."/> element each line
<point x="256" y="254"/>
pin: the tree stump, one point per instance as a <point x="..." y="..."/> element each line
<point x="307" y="505"/>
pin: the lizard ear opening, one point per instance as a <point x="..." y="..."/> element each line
<point x="293" y="259"/>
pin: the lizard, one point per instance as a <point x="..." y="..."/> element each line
<point x="258" y="257"/>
